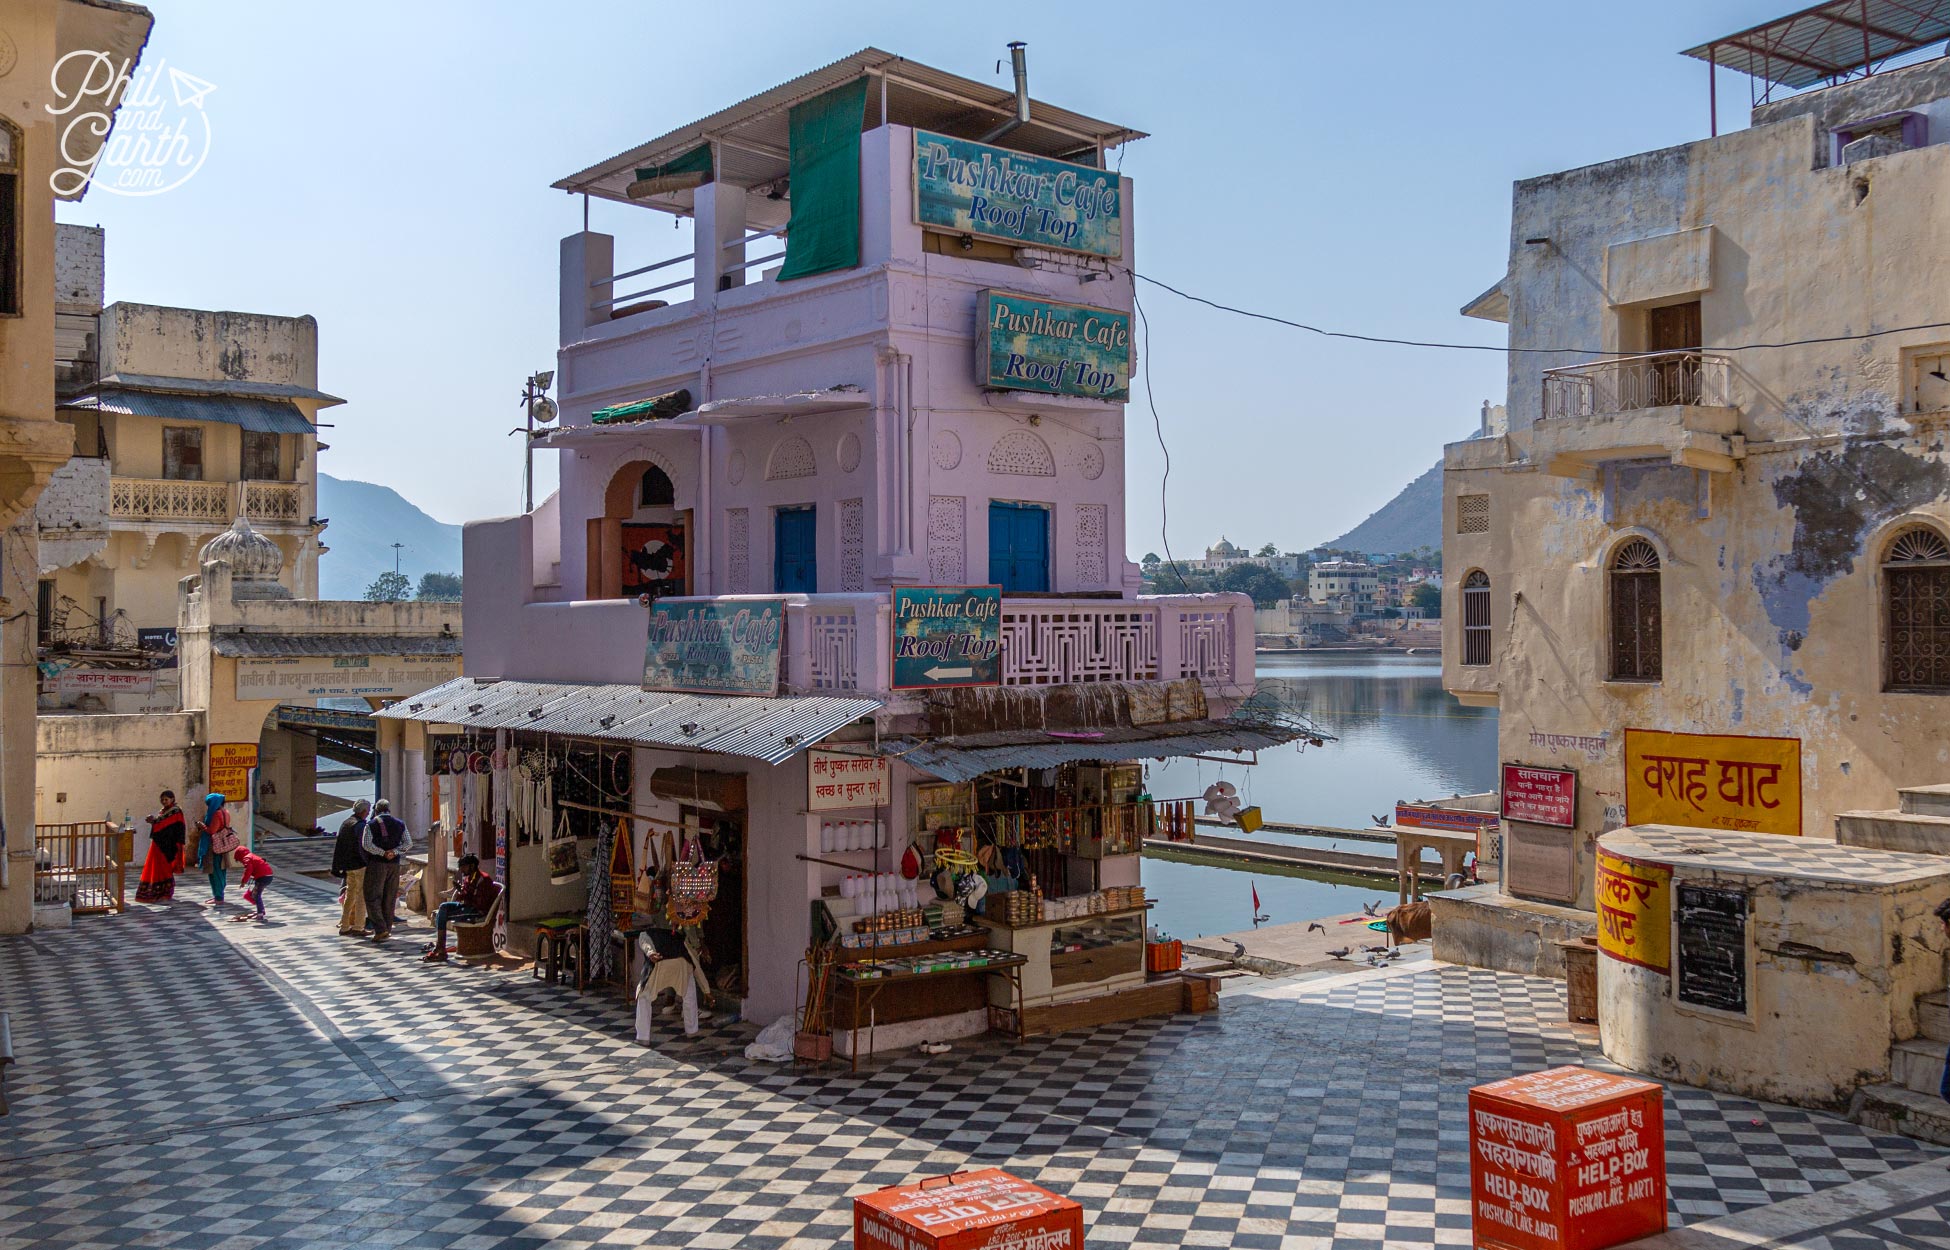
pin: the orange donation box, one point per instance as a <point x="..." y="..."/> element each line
<point x="989" y="1209"/>
<point x="1568" y="1159"/>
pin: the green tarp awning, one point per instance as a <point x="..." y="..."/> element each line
<point x="655" y="408"/>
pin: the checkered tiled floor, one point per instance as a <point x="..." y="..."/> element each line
<point x="190" y="1084"/>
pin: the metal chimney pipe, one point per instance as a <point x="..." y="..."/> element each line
<point x="1019" y="60"/>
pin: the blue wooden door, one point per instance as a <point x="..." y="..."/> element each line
<point x="1018" y="546"/>
<point x="795" y="552"/>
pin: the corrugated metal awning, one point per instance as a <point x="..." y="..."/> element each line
<point x="267" y="646"/>
<point x="753" y="136"/>
<point x="770" y="730"/>
<point x="260" y="414"/>
<point x="1829" y="41"/>
<point x="972" y="755"/>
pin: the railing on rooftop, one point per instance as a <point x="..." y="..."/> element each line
<point x="1629" y="383"/>
<point x="1045" y="642"/>
<point x="609" y="307"/>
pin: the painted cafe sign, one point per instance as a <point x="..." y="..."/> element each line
<point x="714" y="647"/>
<point x="1030" y="344"/>
<point x="964" y="187"/>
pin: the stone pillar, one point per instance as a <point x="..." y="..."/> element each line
<point x="586" y="258"/>
<point x="19" y="578"/>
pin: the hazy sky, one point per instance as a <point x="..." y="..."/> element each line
<point x="386" y="168"/>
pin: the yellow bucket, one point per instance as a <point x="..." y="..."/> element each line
<point x="1250" y="819"/>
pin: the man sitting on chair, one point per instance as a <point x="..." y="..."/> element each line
<point x="474" y="893"/>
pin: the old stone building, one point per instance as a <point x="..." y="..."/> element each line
<point x="1726" y="513"/>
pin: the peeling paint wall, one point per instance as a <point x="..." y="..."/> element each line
<point x="1770" y="582"/>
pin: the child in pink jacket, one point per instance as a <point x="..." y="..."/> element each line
<point x="257" y="875"/>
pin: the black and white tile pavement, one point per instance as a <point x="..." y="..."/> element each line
<point x="187" y="1083"/>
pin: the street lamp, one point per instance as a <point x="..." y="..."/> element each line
<point x="541" y="411"/>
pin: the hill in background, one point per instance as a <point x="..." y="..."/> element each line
<point x="1410" y="520"/>
<point x="366" y="520"/>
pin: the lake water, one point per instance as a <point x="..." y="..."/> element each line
<point x="1399" y="736"/>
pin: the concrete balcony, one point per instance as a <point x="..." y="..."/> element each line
<point x="1674" y="406"/>
<point x="172" y="502"/>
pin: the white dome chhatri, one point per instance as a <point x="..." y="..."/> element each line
<point x="254" y="561"/>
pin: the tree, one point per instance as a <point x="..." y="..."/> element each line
<point x="1150" y="559"/>
<point x="1269" y="550"/>
<point x="1172" y="579"/>
<point x="439" y="587"/>
<point x="1428" y="597"/>
<point x="389" y="588"/>
<point x="1263" y="584"/>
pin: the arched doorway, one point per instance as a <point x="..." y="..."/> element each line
<point x="639" y="545"/>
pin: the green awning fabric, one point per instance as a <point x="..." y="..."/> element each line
<point x="824" y="151"/>
<point x="655" y="408"/>
<point x="695" y="161"/>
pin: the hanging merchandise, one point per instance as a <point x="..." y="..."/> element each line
<point x="601" y="918"/>
<point x="620" y="874"/>
<point x="694" y="878"/>
<point x="910" y="864"/>
<point x="564" y="866"/>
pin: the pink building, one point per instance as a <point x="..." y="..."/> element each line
<point x="895" y="357"/>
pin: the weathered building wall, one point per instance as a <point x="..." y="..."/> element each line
<point x="91" y="765"/>
<point x="149" y="340"/>
<point x="1769" y="573"/>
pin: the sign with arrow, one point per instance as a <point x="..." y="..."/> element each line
<point x="947" y="636"/>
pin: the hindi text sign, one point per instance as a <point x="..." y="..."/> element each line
<point x="1540" y="796"/>
<point x="292" y="677"/>
<point x="836" y="782"/>
<point x="986" y="1209"/>
<point x="947" y="636"/>
<point x="1030" y="344"/>
<point x="720" y="646"/>
<point x="1567" y="1159"/>
<point x="964" y="187"/>
<point x="1713" y="781"/>
<point x="230" y="769"/>
<point x="1634" y="902"/>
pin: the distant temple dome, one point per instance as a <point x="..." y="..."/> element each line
<point x="254" y="561"/>
<point x="1225" y="550"/>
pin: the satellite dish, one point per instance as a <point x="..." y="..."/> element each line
<point x="544" y="410"/>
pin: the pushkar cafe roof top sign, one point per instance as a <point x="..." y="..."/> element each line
<point x="947" y="636"/>
<point x="714" y="647"/>
<point x="1031" y="344"/>
<point x="965" y="187"/>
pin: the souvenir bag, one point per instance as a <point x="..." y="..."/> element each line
<point x="694" y="879"/>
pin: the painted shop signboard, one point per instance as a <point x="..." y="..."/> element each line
<point x="1447" y="819"/>
<point x="1635" y="911"/>
<point x="947" y="636"/>
<point x="1031" y="344"/>
<point x="837" y="782"/>
<point x="714" y="646"/>
<point x="1713" y="781"/>
<point x="342" y="677"/>
<point x="964" y="187"/>
<point x="230" y="769"/>
<point x="1540" y="796"/>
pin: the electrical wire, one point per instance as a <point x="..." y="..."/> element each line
<point x="1508" y="350"/>
<point x="1151" y="399"/>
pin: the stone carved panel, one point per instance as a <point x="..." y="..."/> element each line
<point x="738" y="551"/>
<point x="1022" y="454"/>
<point x="1090" y="462"/>
<point x="947" y="539"/>
<point x="735" y="467"/>
<point x="1092" y="552"/>
<point x="947" y="450"/>
<point x="848" y="453"/>
<point x="853" y="544"/>
<point x="793" y="457"/>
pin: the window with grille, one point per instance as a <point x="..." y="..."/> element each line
<point x="1472" y="514"/>
<point x="182" y="453"/>
<point x="1916" y="611"/>
<point x="260" y="457"/>
<point x="12" y="216"/>
<point x="1635" y="618"/>
<point x="1476" y="618"/>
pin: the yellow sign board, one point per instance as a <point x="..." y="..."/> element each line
<point x="1635" y="911"/>
<point x="230" y="769"/>
<point x="1713" y="781"/>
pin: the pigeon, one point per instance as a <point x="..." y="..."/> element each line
<point x="1372" y="910"/>
<point x="1380" y="820"/>
<point x="1375" y="950"/>
<point x="1238" y="951"/>
<point x="1316" y="927"/>
<point x="1342" y="953"/>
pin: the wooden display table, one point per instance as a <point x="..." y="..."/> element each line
<point x="938" y="990"/>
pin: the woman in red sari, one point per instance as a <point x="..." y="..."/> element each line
<point x="167" y="832"/>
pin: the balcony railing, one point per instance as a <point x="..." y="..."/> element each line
<point x="1629" y="383"/>
<point x="1045" y="642"/>
<point x="205" y="503"/>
